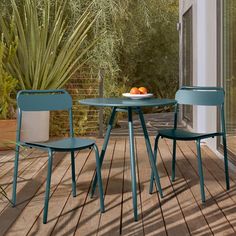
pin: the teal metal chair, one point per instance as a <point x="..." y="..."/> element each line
<point x="203" y="96"/>
<point x="51" y="100"/>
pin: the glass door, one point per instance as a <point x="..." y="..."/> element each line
<point x="229" y="70"/>
<point x="187" y="60"/>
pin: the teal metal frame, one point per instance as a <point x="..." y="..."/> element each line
<point x="104" y="147"/>
<point x="132" y="152"/>
<point x="51" y="100"/>
<point x="204" y="96"/>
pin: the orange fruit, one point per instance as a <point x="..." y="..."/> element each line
<point x="143" y="90"/>
<point x="134" y="90"/>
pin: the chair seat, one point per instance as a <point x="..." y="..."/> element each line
<point x="179" y="134"/>
<point x="64" y="144"/>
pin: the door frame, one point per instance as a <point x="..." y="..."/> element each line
<point x="188" y="121"/>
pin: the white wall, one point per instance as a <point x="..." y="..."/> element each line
<point x="204" y="58"/>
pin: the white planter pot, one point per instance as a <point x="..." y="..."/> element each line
<point x="35" y="126"/>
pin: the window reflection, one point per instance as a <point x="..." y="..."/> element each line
<point x="187" y="62"/>
<point x="229" y="70"/>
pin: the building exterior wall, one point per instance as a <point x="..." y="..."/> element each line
<point x="204" y="59"/>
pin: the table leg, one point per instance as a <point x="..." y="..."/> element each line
<point x="104" y="147"/>
<point x="132" y="161"/>
<point x="149" y="150"/>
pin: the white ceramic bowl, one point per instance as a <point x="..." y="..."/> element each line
<point x="137" y="96"/>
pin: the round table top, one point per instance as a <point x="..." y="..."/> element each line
<point x="126" y="102"/>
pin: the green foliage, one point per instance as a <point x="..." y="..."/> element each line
<point x="149" y="56"/>
<point x="85" y="117"/>
<point x="7" y="84"/>
<point x="140" y="44"/>
<point x="48" y="53"/>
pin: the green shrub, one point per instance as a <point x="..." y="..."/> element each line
<point x="7" y="84"/>
<point x="49" y="51"/>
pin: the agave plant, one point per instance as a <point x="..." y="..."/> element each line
<point x="44" y="59"/>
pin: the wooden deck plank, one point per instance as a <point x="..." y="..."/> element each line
<point x="111" y="219"/>
<point x="35" y="206"/>
<point x="8" y="166"/>
<point x="225" y="199"/>
<point x="26" y="171"/>
<point x="90" y="214"/>
<point x="194" y="218"/>
<point x="6" y="156"/>
<point x="25" y="196"/>
<point x="218" y="163"/>
<point x="216" y="218"/>
<point x="153" y="221"/>
<point x="73" y="208"/>
<point x="6" y="173"/>
<point x="59" y="198"/>
<point x="7" y="160"/>
<point x="70" y="211"/>
<point x="174" y="218"/>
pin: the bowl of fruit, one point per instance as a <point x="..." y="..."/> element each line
<point x="138" y="93"/>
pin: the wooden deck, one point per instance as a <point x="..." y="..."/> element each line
<point x="179" y="213"/>
<point x="232" y="143"/>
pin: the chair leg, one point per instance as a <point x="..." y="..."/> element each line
<point x="48" y="184"/>
<point x="15" y="175"/>
<point x="99" y="178"/>
<point x="200" y="171"/>
<point x="155" y="159"/>
<point x="73" y="173"/>
<point x="226" y="163"/>
<point x="173" y="161"/>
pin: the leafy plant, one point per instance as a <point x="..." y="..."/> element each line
<point x="7" y="84"/>
<point x="149" y="55"/>
<point x="140" y="46"/>
<point x="48" y="53"/>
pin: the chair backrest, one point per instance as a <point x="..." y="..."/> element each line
<point x="44" y="100"/>
<point x="205" y="96"/>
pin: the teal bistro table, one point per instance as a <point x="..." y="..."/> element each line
<point x="129" y="105"/>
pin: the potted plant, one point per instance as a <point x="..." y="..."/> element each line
<point x="49" y="51"/>
<point x="7" y="89"/>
